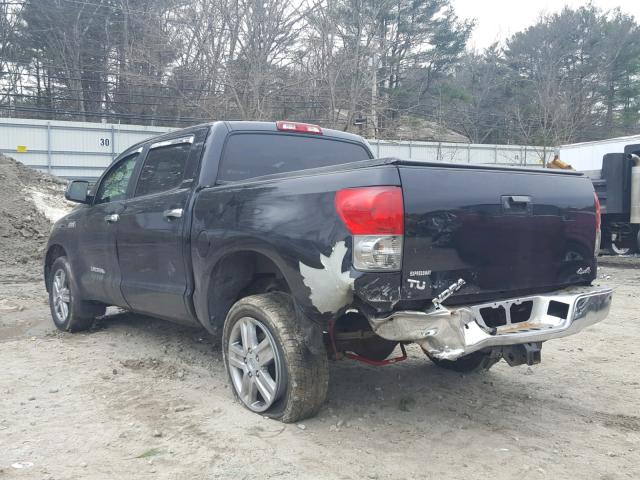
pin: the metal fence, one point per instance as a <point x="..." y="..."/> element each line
<point x="83" y="150"/>
<point x="463" y="152"/>
<point x="69" y="149"/>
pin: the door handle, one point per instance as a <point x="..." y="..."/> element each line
<point x="173" y="213"/>
<point x="113" y="218"/>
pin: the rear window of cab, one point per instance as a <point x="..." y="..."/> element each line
<point x="249" y="155"/>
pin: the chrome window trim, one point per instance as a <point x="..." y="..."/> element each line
<point x="173" y="141"/>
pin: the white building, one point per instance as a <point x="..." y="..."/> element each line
<point x="588" y="155"/>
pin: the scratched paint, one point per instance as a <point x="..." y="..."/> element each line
<point x="381" y="291"/>
<point x="331" y="288"/>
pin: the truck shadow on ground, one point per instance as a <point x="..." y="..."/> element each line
<point x="520" y="400"/>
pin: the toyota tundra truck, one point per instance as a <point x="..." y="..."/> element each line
<point x="295" y="246"/>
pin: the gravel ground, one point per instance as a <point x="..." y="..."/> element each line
<point x="140" y="398"/>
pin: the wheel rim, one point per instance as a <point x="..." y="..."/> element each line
<point x="255" y="366"/>
<point x="618" y="250"/>
<point x="61" y="295"/>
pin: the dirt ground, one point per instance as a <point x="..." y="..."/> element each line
<point x="141" y="398"/>
<point x="29" y="202"/>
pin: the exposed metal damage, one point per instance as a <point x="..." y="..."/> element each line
<point x="380" y="291"/>
<point x="331" y="288"/>
<point x="448" y="334"/>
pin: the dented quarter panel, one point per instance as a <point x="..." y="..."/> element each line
<point x="378" y="290"/>
<point x="291" y="220"/>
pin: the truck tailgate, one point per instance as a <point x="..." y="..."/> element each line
<point x="500" y="230"/>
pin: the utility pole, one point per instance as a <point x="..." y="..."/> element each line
<point x="374" y="94"/>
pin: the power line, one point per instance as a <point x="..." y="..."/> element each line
<point x="85" y="80"/>
<point x="75" y="113"/>
<point x="170" y="73"/>
<point x="150" y="85"/>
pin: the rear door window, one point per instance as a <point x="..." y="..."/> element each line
<point x="164" y="167"/>
<point x="248" y="155"/>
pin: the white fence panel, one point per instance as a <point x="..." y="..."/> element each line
<point x="69" y="149"/>
<point x="83" y="150"/>
<point x="462" y="152"/>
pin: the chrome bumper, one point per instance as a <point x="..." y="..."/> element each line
<point x="450" y="333"/>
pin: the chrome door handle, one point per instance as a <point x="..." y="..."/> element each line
<point x="173" y="213"/>
<point x="113" y="218"/>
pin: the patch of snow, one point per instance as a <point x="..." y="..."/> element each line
<point x="53" y="207"/>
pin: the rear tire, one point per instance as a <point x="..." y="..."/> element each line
<point x="271" y="368"/>
<point x="373" y="347"/>
<point x="628" y="246"/>
<point x="70" y="313"/>
<point x="473" y="363"/>
<point x="617" y="251"/>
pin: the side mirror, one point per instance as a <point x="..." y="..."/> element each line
<point x="77" y="191"/>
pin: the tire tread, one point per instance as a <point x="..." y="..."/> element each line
<point x="308" y="372"/>
<point x="82" y="314"/>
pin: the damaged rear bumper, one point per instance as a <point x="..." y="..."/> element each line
<point x="450" y="333"/>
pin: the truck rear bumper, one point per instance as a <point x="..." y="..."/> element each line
<point x="450" y="333"/>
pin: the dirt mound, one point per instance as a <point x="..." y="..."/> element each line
<point x="30" y="201"/>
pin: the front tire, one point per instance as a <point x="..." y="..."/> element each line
<point x="70" y="313"/>
<point x="271" y="368"/>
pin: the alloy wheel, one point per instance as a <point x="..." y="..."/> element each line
<point x="256" y="368"/>
<point x="61" y="295"/>
<point x="618" y="249"/>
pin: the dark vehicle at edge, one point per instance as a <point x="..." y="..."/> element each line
<point x="295" y="245"/>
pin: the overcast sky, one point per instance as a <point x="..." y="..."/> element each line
<point x="498" y="19"/>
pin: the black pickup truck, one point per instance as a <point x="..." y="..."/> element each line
<point x="298" y="246"/>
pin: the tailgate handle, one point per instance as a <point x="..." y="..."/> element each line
<point x="519" y="198"/>
<point x="516" y="202"/>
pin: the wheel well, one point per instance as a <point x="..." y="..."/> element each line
<point x="54" y="252"/>
<point x="238" y="275"/>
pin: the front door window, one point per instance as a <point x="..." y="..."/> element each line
<point x="114" y="184"/>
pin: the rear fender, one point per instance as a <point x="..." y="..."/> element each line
<point x="228" y="277"/>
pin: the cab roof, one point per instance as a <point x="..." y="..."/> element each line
<point x="247" y="126"/>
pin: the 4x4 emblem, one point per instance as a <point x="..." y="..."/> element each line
<point x="583" y="271"/>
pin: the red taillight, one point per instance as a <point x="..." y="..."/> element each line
<point x="596" y="204"/>
<point x="298" y="127"/>
<point x="371" y="210"/>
